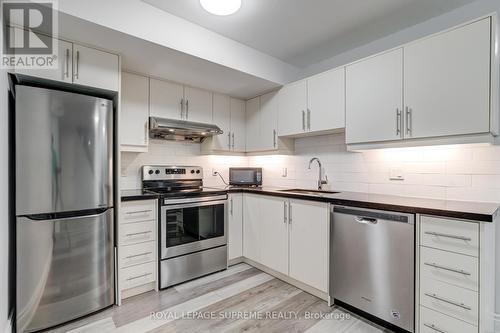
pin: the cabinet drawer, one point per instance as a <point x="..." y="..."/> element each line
<point x="453" y="268"/>
<point x="137" y="254"/>
<point x="450" y="235"/>
<point x="137" y="275"/>
<point x="136" y="211"/>
<point x="139" y="232"/>
<point x="435" y="322"/>
<point x="451" y="300"/>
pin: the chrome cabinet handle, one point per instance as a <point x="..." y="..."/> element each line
<point x="454" y="270"/>
<point x="284" y="212"/>
<point x="232" y="135"/>
<point x="303" y="120"/>
<point x="308" y="119"/>
<point x="77" y="72"/>
<point x="231" y="207"/>
<point x="139" y="276"/>
<point x="460" y="305"/>
<point x="229" y="139"/>
<point x="408" y="121"/>
<point x="182" y="108"/>
<point x="139" y="212"/>
<point x="139" y="255"/>
<point x="67" y="64"/>
<point x="289" y="213"/>
<point x="438" y="234"/>
<point x="434" y="328"/>
<point x="365" y="220"/>
<point x="138" y="233"/>
<point x="274" y="138"/>
<point x="398" y="122"/>
<point x="146" y="130"/>
<point x="187" y="108"/>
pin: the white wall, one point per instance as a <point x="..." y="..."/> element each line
<point x="4" y="202"/>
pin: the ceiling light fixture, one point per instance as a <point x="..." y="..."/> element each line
<point x="221" y="7"/>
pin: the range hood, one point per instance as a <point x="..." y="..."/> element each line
<point x="181" y="130"/>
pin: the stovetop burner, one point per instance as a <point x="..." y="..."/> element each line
<point x="176" y="181"/>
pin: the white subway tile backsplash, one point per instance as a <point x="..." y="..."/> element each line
<point x="470" y="173"/>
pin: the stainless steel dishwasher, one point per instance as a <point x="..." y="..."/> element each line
<point x="372" y="263"/>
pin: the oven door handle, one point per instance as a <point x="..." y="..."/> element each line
<point x="194" y="204"/>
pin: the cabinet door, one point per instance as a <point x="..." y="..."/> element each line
<point x="292" y="109"/>
<point x="222" y="118"/>
<point x="253" y="124"/>
<point x="95" y="68"/>
<point x="134" y="115"/>
<point x="62" y="73"/>
<point x="274" y="233"/>
<point x="198" y="105"/>
<point x="251" y="227"/>
<point x="238" y="130"/>
<point x="167" y="99"/>
<point x="269" y="121"/>
<point x="374" y="96"/>
<point x="326" y="101"/>
<point x="309" y="243"/>
<point x="447" y="82"/>
<point x="235" y="226"/>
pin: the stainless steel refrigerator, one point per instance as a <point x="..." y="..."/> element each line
<point x="64" y="206"/>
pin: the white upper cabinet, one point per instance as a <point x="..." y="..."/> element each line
<point x="447" y="82"/>
<point x="167" y="99"/>
<point x="198" y="105"/>
<point x="238" y="128"/>
<point x="326" y="101"/>
<point x="253" y="124"/>
<point x="222" y="118"/>
<point x="95" y="68"/>
<point x="134" y="117"/>
<point x="292" y="109"/>
<point x="269" y="121"/>
<point x="374" y="98"/>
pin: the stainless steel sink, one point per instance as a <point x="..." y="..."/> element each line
<point x="305" y="191"/>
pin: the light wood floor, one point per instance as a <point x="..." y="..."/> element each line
<point x="241" y="299"/>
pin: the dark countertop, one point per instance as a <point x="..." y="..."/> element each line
<point x="133" y="195"/>
<point x="477" y="211"/>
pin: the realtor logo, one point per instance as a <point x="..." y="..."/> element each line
<point x="28" y="29"/>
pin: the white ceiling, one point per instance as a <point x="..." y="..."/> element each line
<point x="304" y="32"/>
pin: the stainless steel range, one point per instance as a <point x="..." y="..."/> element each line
<point x="193" y="223"/>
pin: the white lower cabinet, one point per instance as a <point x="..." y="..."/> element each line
<point x="309" y="242"/>
<point x="288" y="236"/>
<point x="455" y="275"/>
<point x="235" y="226"/>
<point x="137" y="247"/>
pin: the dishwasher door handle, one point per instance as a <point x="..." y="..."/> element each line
<point x="365" y="220"/>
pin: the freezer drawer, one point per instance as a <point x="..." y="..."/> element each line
<point x="373" y="263"/>
<point x="65" y="269"/>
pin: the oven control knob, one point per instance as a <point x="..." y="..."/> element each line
<point x="150" y="172"/>
<point x="197" y="171"/>
<point x="192" y="171"/>
<point x="157" y="172"/>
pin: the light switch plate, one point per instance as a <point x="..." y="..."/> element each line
<point x="396" y="174"/>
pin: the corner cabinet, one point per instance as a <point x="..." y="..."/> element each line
<point x="434" y="89"/>
<point x="235" y="227"/>
<point x="315" y="105"/>
<point x="290" y="238"/>
<point x="134" y="113"/>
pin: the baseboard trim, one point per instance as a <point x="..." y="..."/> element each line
<point x="308" y="289"/>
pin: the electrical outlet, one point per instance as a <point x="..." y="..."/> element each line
<point x="396" y="174"/>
